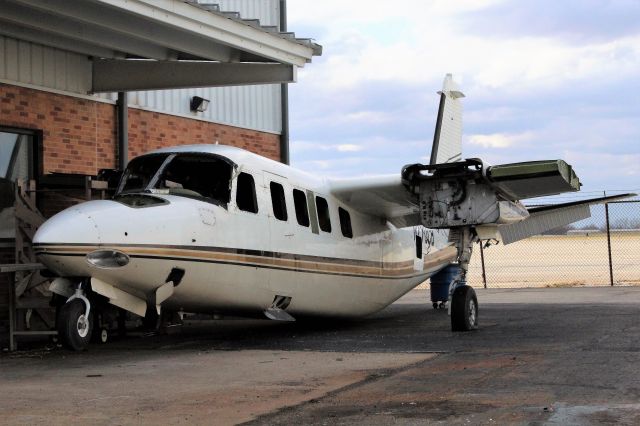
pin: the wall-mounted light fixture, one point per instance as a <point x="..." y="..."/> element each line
<point x="198" y="104"/>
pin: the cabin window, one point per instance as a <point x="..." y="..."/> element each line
<point x="418" y="246"/>
<point x="246" y="193"/>
<point x="345" y="222"/>
<point x="277" y="201"/>
<point x="300" y="202"/>
<point x="323" y="214"/>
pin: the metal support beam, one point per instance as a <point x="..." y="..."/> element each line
<point x="284" y="98"/>
<point x="114" y="75"/>
<point x="123" y="130"/>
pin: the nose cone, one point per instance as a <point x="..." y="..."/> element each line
<point x="71" y="226"/>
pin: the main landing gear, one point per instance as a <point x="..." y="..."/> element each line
<point x="463" y="306"/>
<point x="464" y="309"/>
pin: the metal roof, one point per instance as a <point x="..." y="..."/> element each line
<point x="236" y="16"/>
<point x="134" y="36"/>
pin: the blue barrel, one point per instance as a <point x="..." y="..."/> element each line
<point x="440" y="283"/>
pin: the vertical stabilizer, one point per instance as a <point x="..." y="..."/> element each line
<point x="447" y="139"/>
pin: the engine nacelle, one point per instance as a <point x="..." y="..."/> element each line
<point x="460" y="194"/>
<point x="458" y="202"/>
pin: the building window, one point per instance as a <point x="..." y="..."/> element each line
<point x="323" y="214"/>
<point x="345" y="223"/>
<point x="418" y="246"/>
<point x="300" y="202"/>
<point x="246" y="193"/>
<point x="16" y="156"/>
<point x="19" y="160"/>
<point x="278" y="202"/>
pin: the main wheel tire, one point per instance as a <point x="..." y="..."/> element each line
<point x="74" y="330"/>
<point x="464" y="309"/>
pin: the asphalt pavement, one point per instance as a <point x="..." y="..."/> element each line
<point x="540" y="356"/>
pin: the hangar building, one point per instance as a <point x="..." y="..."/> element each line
<point x="87" y="85"/>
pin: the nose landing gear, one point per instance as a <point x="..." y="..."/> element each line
<point x="74" y="322"/>
<point x="74" y="326"/>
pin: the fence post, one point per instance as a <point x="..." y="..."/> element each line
<point x="606" y="215"/>
<point x="484" y="274"/>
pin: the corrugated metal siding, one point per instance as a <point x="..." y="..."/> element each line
<point x="30" y="63"/>
<point x="267" y="11"/>
<point x="254" y="107"/>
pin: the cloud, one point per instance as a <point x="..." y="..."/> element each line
<point x="348" y="147"/>
<point x="499" y="140"/>
<point x="543" y="79"/>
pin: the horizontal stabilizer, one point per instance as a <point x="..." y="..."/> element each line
<point x="542" y="219"/>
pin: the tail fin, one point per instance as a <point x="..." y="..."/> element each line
<point x="447" y="140"/>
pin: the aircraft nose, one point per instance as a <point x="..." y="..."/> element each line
<point x="69" y="226"/>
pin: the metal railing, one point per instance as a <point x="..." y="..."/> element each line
<point x="599" y="251"/>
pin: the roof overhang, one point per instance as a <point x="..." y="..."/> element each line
<point x="180" y="35"/>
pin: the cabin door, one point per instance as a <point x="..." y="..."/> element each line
<point x="282" y="232"/>
<point x="250" y="237"/>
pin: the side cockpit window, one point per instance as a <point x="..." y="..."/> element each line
<point x="197" y="176"/>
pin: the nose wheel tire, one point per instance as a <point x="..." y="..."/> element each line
<point x="464" y="309"/>
<point x="74" y="328"/>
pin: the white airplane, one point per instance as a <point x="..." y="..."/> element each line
<point x="216" y="229"/>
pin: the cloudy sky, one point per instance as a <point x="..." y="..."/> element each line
<point x="543" y="79"/>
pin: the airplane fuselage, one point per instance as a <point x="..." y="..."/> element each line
<point x="240" y="251"/>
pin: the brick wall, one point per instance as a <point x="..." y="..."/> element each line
<point x="79" y="135"/>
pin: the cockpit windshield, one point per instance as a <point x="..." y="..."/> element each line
<point x="139" y="173"/>
<point x="201" y="176"/>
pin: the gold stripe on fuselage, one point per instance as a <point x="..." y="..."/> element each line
<point x="400" y="269"/>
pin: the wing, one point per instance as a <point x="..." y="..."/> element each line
<point x="466" y="194"/>
<point x="542" y="219"/>
<point x="381" y="196"/>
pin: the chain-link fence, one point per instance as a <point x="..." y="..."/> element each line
<point x="599" y="251"/>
